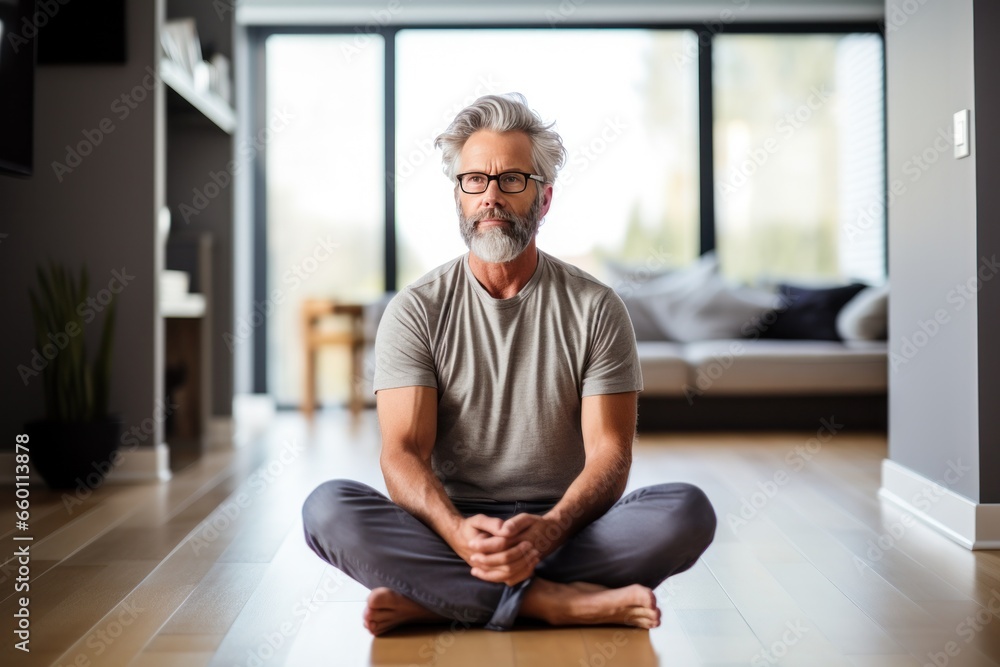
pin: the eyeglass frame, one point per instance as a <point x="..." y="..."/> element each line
<point x="496" y="177"/>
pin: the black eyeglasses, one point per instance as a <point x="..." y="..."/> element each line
<point x="510" y="182"/>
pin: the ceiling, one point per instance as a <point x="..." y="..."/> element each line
<point x="552" y="12"/>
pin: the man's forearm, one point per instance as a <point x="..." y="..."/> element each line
<point x="413" y="486"/>
<point x="598" y="486"/>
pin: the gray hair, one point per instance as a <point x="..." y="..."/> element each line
<point x="503" y="113"/>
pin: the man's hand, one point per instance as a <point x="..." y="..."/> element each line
<point x="494" y="552"/>
<point x="543" y="533"/>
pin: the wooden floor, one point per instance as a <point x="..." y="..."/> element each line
<point x="808" y="568"/>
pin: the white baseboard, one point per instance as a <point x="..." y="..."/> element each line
<point x="140" y="464"/>
<point x="143" y="464"/>
<point x="973" y="525"/>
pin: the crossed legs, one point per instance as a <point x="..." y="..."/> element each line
<point x="603" y="574"/>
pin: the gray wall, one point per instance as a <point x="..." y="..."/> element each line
<point x="195" y="151"/>
<point x="939" y="384"/>
<point x="987" y="55"/>
<point x="102" y="213"/>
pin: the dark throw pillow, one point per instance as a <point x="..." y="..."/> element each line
<point x="808" y="313"/>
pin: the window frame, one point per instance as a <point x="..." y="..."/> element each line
<point x="705" y="31"/>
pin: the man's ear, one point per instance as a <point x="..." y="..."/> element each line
<point x="546" y="200"/>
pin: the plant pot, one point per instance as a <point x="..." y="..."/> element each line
<point x="74" y="454"/>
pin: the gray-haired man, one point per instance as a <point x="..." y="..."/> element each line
<point x="506" y="383"/>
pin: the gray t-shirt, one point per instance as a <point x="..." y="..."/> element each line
<point x="509" y="373"/>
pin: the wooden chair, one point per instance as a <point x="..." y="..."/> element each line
<point x="313" y="312"/>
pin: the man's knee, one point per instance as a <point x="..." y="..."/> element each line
<point x="690" y="510"/>
<point x="323" y="512"/>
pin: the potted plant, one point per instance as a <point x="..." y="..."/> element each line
<point x="73" y="444"/>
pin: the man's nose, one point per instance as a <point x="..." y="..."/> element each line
<point x="493" y="196"/>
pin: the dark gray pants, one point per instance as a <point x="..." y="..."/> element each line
<point x="647" y="536"/>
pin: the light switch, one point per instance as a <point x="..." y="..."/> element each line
<point x="962" y="134"/>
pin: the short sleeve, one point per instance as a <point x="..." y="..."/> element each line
<point x="403" y="355"/>
<point x="613" y="361"/>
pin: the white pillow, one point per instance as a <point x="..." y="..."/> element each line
<point x="695" y="303"/>
<point x="866" y="316"/>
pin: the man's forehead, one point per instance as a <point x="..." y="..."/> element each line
<point x="484" y="148"/>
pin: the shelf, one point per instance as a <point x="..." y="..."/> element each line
<point x="208" y="103"/>
<point x="193" y="305"/>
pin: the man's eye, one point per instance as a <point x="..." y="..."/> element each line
<point x="474" y="179"/>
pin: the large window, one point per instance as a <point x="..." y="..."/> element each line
<point x="627" y="112"/>
<point x="767" y="147"/>
<point x="799" y="156"/>
<point x="324" y="190"/>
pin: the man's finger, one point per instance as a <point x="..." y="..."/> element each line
<point x="512" y="555"/>
<point x="517" y="524"/>
<point x="489" y="545"/>
<point x="489" y="524"/>
<point x="502" y="575"/>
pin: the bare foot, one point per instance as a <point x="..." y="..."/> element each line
<point x="582" y="603"/>
<point x="387" y="609"/>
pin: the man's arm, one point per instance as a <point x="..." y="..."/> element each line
<point x="608" y="423"/>
<point x="408" y="420"/>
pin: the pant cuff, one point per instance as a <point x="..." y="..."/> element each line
<point x="509" y="606"/>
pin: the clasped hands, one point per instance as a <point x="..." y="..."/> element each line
<point x="505" y="551"/>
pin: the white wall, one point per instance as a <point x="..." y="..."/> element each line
<point x="938" y="231"/>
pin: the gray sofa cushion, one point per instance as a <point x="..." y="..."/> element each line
<point x="783" y="367"/>
<point x="664" y="368"/>
<point x="694" y="304"/>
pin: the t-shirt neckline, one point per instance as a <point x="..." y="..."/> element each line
<point x="523" y="294"/>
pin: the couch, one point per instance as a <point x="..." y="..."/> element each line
<point x="720" y="356"/>
<point x="715" y="355"/>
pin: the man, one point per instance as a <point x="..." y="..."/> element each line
<point x="506" y="383"/>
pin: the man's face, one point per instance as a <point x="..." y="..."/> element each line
<point x="497" y="226"/>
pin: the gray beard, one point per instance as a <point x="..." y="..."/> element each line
<point x="498" y="245"/>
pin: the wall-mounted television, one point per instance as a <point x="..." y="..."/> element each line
<point x="17" y="85"/>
